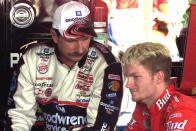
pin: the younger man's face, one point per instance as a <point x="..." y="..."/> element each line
<point x="140" y="82"/>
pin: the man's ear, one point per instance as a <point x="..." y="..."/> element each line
<point x="54" y="35"/>
<point x="159" y="77"/>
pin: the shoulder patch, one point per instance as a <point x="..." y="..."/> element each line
<point x="106" y="53"/>
<point x="46" y="43"/>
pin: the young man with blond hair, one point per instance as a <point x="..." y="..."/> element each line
<point x="159" y="107"/>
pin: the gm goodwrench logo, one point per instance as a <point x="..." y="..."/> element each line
<point x="22" y="15"/>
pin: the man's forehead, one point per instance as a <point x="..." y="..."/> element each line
<point x="134" y="68"/>
<point x="130" y="69"/>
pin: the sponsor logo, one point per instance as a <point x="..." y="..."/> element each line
<point x="42" y="68"/>
<point x="112" y="96"/>
<point x="82" y="100"/>
<point x="78" y="13"/>
<point x="109" y="107"/>
<point x="38" y="91"/>
<point x="114" y="85"/>
<point x="61" y="108"/>
<point x="176" y="98"/>
<point x="84" y="81"/>
<point x="45" y="55"/>
<point x="169" y="107"/>
<point x="92" y="58"/>
<point x="161" y="102"/>
<point x="147" y="124"/>
<point x="46" y="51"/>
<point x="105" y="127"/>
<point x="40" y="119"/>
<point x="111" y="102"/>
<point x="175" y="115"/>
<point x="22" y="15"/>
<point x="44" y="60"/>
<point x="87" y="78"/>
<point x="53" y="120"/>
<point x="177" y="125"/>
<point x="89" y="62"/>
<point x="132" y="122"/>
<point x="93" y="53"/>
<point x="108" y="112"/>
<point x="43" y="84"/>
<point x="43" y="78"/>
<point x="50" y="127"/>
<point x="81" y="87"/>
<point x="87" y="67"/>
<point x="48" y="92"/>
<point x="145" y="113"/>
<point x="78" y="20"/>
<point x="83" y="94"/>
<point x="113" y="77"/>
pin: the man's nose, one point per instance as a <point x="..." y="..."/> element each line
<point x="129" y="82"/>
<point x="80" y="46"/>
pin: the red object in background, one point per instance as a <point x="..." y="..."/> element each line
<point x="126" y="4"/>
<point x="100" y="16"/>
<point x="188" y="81"/>
<point x="157" y="3"/>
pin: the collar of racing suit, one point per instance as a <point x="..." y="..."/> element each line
<point x="164" y="99"/>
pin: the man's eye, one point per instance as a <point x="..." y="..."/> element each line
<point x="70" y="40"/>
<point x="85" y="38"/>
<point x="136" y="77"/>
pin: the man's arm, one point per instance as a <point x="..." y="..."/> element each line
<point x="104" y="106"/>
<point x="21" y="115"/>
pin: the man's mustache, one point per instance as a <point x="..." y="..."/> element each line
<point x="77" y="54"/>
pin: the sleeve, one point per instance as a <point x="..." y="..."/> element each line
<point x="104" y="106"/>
<point x="21" y="115"/>
<point x="184" y="119"/>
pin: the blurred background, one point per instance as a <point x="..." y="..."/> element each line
<point x="118" y="23"/>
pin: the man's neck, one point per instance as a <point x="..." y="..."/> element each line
<point x="68" y="63"/>
<point x="64" y="60"/>
<point x="159" y="90"/>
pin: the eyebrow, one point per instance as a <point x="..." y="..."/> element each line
<point x="131" y="74"/>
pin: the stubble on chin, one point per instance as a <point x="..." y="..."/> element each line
<point x="135" y="98"/>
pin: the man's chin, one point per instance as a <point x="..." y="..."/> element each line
<point x="134" y="98"/>
<point x="77" y="58"/>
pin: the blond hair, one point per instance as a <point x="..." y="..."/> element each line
<point x="153" y="56"/>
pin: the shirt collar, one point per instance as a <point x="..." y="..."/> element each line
<point x="164" y="99"/>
